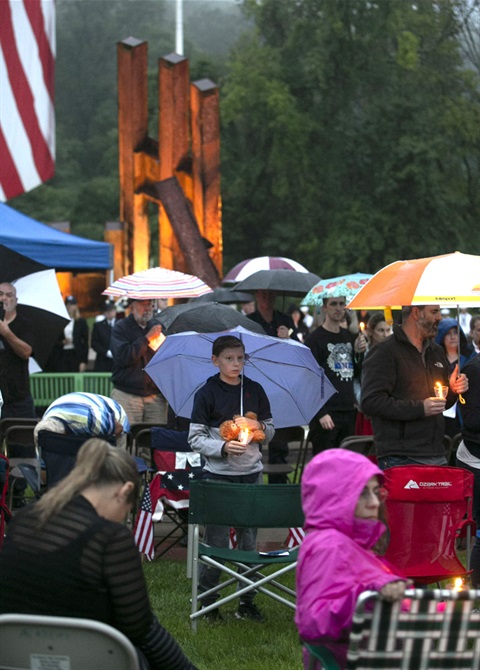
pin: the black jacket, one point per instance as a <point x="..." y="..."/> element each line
<point x="101" y="335"/>
<point x="131" y="354"/>
<point x="471" y="409"/>
<point x="396" y="379"/>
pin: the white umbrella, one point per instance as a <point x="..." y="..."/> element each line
<point x="157" y="283"/>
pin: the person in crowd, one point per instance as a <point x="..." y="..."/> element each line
<point x="307" y="317"/>
<point x="297" y="317"/>
<point x="447" y="337"/>
<point x="468" y="453"/>
<point x="84" y="414"/>
<point x="17" y="341"/>
<point x="217" y="401"/>
<point x="247" y="307"/>
<point x="275" y="324"/>
<point x="70" y="353"/>
<point x="101" y="336"/>
<point x="464" y="318"/>
<point x="340" y="354"/>
<point x="73" y="556"/>
<point x="377" y="330"/>
<point x="475" y="332"/>
<point x="336" y="561"/>
<point x="75" y="341"/>
<point x="134" y="342"/>
<point x="398" y="391"/>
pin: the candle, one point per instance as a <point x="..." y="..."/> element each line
<point x="362" y="326"/>
<point x="243" y="436"/>
<point x="440" y="391"/>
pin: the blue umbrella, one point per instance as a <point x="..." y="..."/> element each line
<point x="295" y="384"/>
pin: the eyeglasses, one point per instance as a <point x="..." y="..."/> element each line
<point x="379" y="494"/>
<point x="335" y="303"/>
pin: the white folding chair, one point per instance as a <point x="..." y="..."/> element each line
<point x="30" y="641"/>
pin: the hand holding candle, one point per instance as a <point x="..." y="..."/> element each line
<point x="440" y="391"/>
<point x="361" y="342"/>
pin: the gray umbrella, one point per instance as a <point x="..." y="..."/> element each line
<point x="283" y="281"/>
<point x="203" y="317"/>
<point x="225" y="296"/>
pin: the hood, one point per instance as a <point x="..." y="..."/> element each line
<point x="331" y="485"/>
<point x="447" y="324"/>
<point x="444" y="326"/>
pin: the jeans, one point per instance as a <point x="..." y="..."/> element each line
<point x="219" y="536"/>
<point x="386" y="462"/>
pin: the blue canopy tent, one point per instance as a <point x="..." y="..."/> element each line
<point x="53" y="248"/>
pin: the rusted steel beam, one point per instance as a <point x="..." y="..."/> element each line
<point x="206" y="164"/>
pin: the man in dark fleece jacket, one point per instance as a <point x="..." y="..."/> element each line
<point x="133" y="344"/>
<point x="398" y="380"/>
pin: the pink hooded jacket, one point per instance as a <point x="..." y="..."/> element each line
<point x="336" y="562"/>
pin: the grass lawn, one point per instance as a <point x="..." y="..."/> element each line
<point x="228" y="645"/>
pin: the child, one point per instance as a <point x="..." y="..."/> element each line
<point x="341" y="498"/>
<point x="218" y="401"/>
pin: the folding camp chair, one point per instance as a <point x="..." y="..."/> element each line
<point x="59" y="452"/>
<point x="32" y="641"/>
<point x="428" y="508"/>
<point x="10" y="421"/>
<point x="243" y="506"/>
<point x="176" y="467"/>
<point x="361" y="444"/>
<point x="439" y="629"/>
<point x="301" y="454"/>
<point x="293" y="437"/>
<point x="19" y="448"/>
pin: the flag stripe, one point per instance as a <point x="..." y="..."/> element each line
<point x="27" y="44"/>
<point x="47" y="59"/>
<point x="7" y="166"/>
<point x="143" y="531"/>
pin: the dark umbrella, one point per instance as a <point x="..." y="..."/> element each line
<point x="39" y="299"/>
<point x="283" y="281"/>
<point x="202" y="317"/>
<point x="224" y="296"/>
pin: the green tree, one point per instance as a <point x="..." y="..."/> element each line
<point x="376" y="118"/>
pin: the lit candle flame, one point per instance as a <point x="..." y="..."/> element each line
<point x="458" y="584"/>
<point x="155" y="342"/>
<point x="362" y="326"/>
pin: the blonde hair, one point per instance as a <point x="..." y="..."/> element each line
<point x="98" y="464"/>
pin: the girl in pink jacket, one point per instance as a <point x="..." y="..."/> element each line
<point x="341" y="498"/>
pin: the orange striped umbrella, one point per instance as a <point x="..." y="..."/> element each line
<point x="447" y="280"/>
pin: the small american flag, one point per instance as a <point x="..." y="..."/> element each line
<point x="294" y="538"/>
<point x="143" y="531"/>
<point x="232" y="539"/>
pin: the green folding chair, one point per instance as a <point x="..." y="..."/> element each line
<point x="242" y="506"/>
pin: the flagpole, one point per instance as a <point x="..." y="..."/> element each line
<point x="179" y="28"/>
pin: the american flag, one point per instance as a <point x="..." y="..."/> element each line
<point x="144" y="526"/>
<point x="27" y="120"/>
<point x="294" y="538"/>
